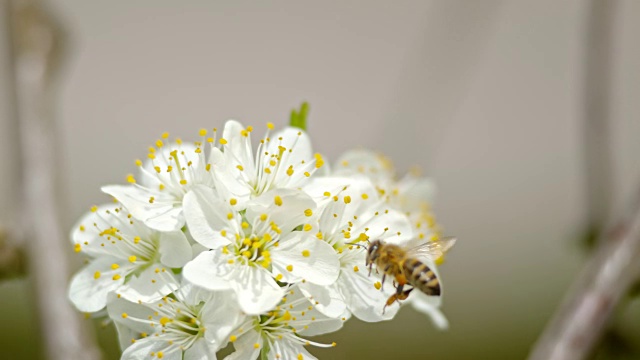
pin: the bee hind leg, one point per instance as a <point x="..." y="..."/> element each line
<point x="399" y="295"/>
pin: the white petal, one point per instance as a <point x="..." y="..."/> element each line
<point x="208" y="270"/>
<point x="363" y="299"/>
<point x="150" y="285"/>
<point x="288" y="350"/>
<point x="366" y="162"/>
<point x="244" y="345"/>
<point x="201" y="350"/>
<point x="161" y="215"/>
<point x="238" y="147"/>
<point x="429" y="305"/>
<point x="88" y="229"/>
<point x="221" y="315"/>
<point x="206" y="216"/>
<point x="118" y="306"/>
<point x="142" y="349"/>
<point x="288" y="215"/>
<point x="312" y="259"/>
<point x="256" y="290"/>
<point x="174" y="249"/>
<point x="295" y="139"/>
<point x="326" y="299"/>
<point x="89" y="294"/>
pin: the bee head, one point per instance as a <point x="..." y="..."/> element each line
<point x="372" y="251"/>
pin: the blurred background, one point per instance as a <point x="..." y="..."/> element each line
<point x="526" y="113"/>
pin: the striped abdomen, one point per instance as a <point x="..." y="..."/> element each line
<point x="421" y="277"/>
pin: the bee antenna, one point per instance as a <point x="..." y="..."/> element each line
<point x="359" y="245"/>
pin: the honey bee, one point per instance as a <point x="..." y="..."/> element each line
<point x="405" y="266"/>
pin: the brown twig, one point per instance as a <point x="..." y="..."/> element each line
<point x="606" y="278"/>
<point x="36" y="55"/>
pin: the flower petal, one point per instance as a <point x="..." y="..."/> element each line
<point x="141" y="350"/>
<point x="245" y="346"/>
<point x="150" y="285"/>
<point x="256" y="290"/>
<point x="363" y="299"/>
<point x="301" y="256"/>
<point x="161" y="215"/>
<point x="206" y="216"/>
<point x="90" y="286"/>
<point x="285" y="349"/>
<point x="221" y="315"/>
<point x="208" y="270"/>
<point x="285" y="207"/>
<point x="429" y="305"/>
<point x="174" y="249"/>
<point x="326" y="299"/>
<point x="201" y="350"/>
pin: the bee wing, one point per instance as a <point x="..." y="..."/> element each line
<point x="432" y="249"/>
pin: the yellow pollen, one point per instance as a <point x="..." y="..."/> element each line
<point x="308" y="212"/>
<point x="77" y="247"/>
<point x="300" y="357"/>
<point x="159" y="143"/>
<point x="319" y="160"/>
<point x="240" y="167"/>
<point x="230" y="261"/>
<point x="245" y="225"/>
<point x="165" y="135"/>
<point x="270" y="126"/>
<point x="289" y="268"/>
<point x="307" y="174"/>
<point x="347" y="199"/>
<point x="267" y="237"/>
<point x="169" y="168"/>
<point x="223" y="141"/>
<point x="151" y="200"/>
<point x="115" y="266"/>
<point x="306" y="253"/>
<point x="327" y="194"/>
<point x="136" y="239"/>
<point x="356" y="269"/>
<point x="277" y="200"/>
<point x="223" y="232"/>
<point x="333" y="344"/>
<point x="183" y="182"/>
<point x="319" y="235"/>
<point x="230" y="216"/>
<point x="233" y="338"/>
<point x="246" y="254"/>
<point x="151" y="156"/>
<point x="178" y="141"/>
<point x="164" y="321"/>
<point x="208" y="167"/>
<point x="132" y="258"/>
<point x="160" y="355"/>
<point x="272" y="163"/>
<point x="279" y="277"/>
<point x="138" y="162"/>
<point x="267" y="170"/>
<point x="233" y="202"/>
<point x="290" y="170"/>
<point x="131" y="179"/>
<point x="116" y="277"/>
<point x="363" y="237"/>
<point x="256" y="346"/>
<point x="365" y="196"/>
<point x="81" y="227"/>
<point x="307" y="227"/>
<point x="96" y="275"/>
<point x="203" y="132"/>
<point x="377" y="285"/>
<point x="124" y="315"/>
<point x="263" y="217"/>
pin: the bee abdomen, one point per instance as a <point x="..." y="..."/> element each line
<point x="422" y="277"/>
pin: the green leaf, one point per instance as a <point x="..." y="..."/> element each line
<point x="299" y="118"/>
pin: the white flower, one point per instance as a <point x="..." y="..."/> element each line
<point x="355" y="214"/>
<point x="255" y="247"/>
<point x="278" y="332"/>
<point x="284" y="160"/>
<point x="190" y="324"/>
<point x="126" y="256"/>
<point x="165" y="178"/>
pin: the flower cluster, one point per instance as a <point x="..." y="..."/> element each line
<point x="213" y="243"/>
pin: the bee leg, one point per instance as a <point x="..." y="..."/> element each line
<point x="404" y="295"/>
<point x="370" y="268"/>
<point x="384" y="277"/>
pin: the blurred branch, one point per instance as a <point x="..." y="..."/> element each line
<point x="36" y="57"/>
<point x="12" y="258"/>
<point x="607" y="277"/>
